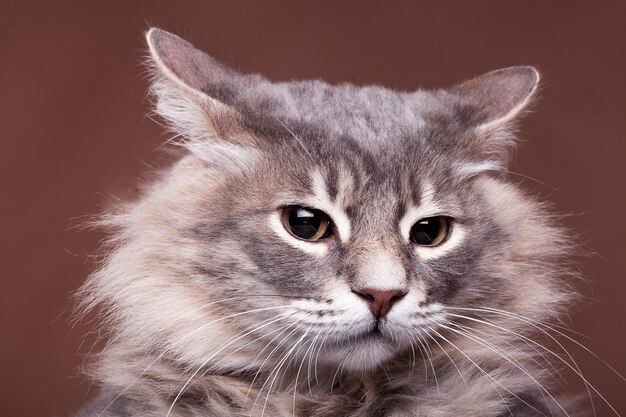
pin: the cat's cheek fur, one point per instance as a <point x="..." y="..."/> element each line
<point x="539" y="293"/>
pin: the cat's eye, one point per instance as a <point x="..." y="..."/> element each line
<point x="306" y="223"/>
<point x="431" y="231"/>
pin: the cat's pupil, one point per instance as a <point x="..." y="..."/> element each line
<point x="430" y="231"/>
<point x="308" y="224"/>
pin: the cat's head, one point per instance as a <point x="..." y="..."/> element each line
<point x="351" y="220"/>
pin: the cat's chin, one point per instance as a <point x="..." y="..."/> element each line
<point x="363" y="353"/>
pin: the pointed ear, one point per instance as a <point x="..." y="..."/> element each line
<point x="486" y="108"/>
<point x="493" y="99"/>
<point x="192" y="89"/>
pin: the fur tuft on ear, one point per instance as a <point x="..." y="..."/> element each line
<point x="187" y="85"/>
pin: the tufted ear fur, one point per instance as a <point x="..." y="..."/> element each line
<point x="191" y="89"/>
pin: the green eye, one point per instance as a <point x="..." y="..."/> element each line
<point x="431" y="231"/>
<point x="307" y="224"/>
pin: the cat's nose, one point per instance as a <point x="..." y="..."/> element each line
<point x="379" y="301"/>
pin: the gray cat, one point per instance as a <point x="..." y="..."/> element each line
<point x="331" y="250"/>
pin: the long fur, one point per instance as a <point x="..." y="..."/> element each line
<point x="211" y="310"/>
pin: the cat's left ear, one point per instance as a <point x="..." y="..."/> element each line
<point x="488" y="106"/>
<point x="494" y="99"/>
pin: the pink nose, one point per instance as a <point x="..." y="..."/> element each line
<point x="380" y="301"/>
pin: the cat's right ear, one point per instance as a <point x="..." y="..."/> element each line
<point x="192" y="91"/>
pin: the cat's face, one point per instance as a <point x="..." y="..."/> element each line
<point x="369" y="245"/>
<point x="332" y="218"/>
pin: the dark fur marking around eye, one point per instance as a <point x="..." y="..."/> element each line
<point x="331" y="184"/>
<point x="416" y="195"/>
<point x="400" y="211"/>
<point x="350" y="210"/>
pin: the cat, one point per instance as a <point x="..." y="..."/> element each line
<point x="331" y="250"/>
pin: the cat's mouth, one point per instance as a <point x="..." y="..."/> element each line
<point x="385" y="332"/>
<point x="375" y="331"/>
<point x="373" y="334"/>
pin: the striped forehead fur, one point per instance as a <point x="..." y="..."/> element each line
<point x="214" y="308"/>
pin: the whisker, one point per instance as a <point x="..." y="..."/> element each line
<point x="428" y="354"/>
<point x="422" y="354"/>
<point x="516" y="348"/>
<point x="413" y="357"/>
<point x="223" y="346"/>
<point x="575" y="368"/>
<point x="272" y="372"/>
<point x="494" y="348"/>
<point x="555" y="330"/>
<point x="532" y="322"/>
<point x="188" y="313"/>
<point x="295" y="385"/>
<point x="256" y="375"/>
<point x="449" y="357"/>
<point x="167" y="350"/>
<point x="509" y="360"/>
<point x="263" y="336"/>
<point x="309" y="363"/>
<point x="489" y="377"/>
<point x="293" y="357"/>
<point x="317" y="356"/>
<point x="297" y="139"/>
<point x="279" y="368"/>
<point x="339" y="368"/>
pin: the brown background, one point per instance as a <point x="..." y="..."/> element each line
<point x="75" y="136"/>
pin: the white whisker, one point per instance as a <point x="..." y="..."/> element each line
<point x="222" y="347"/>
<point x="180" y="340"/>
<point x="256" y="375"/>
<point x="451" y="360"/>
<point x="488" y="376"/>
<point x="278" y="368"/>
<point x="500" y="352"/>
<point x="574" y="368"/>
<point x="295" y="329"/>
